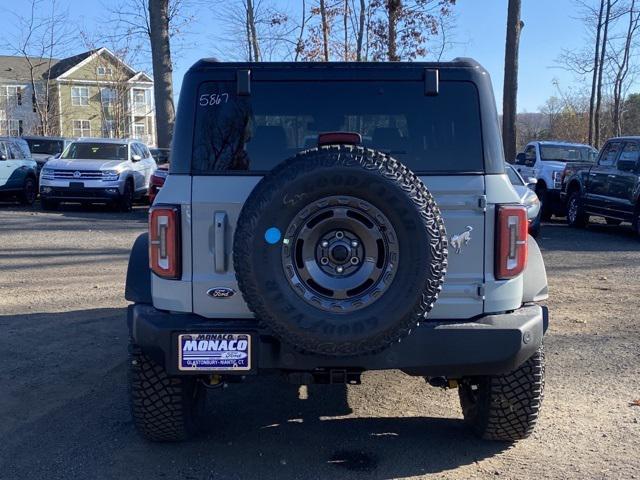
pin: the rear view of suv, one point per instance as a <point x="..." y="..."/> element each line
<point x="98" y="170"/>
<point x="395" y="241"/>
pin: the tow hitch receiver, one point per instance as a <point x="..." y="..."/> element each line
<point x="333" y="376"/>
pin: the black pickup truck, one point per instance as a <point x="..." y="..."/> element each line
<point x="609" y="189"/>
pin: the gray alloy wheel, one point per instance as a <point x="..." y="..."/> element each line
<point x="575" y="215"/>
<point x="341" y="253"/>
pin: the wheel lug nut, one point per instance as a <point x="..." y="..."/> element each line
<point x="339" y="234"/>
<point x="324" y="261"/>
<point x="324" y="244"/>
<point x="355" y="260"/>
<point x="354" y="244"/>
<point x="339" y="269"/>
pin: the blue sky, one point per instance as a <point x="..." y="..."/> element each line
<point x="550" y="26"/>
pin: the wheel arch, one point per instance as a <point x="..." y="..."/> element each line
<point x="138" y="283"/>
<point x="535" y="287"/>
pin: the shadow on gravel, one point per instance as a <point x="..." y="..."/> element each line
<point x="597" y="237"/>
<point x="81" y="211"/>
<point x="68" y="417"/>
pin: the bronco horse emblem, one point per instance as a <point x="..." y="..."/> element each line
<point x="458" y="241"/>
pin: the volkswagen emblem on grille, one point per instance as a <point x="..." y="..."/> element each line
<point x="77" y="174"/>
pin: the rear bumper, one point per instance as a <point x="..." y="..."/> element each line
<point x="491" y="344"/>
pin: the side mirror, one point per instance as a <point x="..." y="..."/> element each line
<point x="136" y="158"/>
<point x="521" y="158"/>
<point x="531" y="181"/>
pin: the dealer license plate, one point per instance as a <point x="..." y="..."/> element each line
<point x="214" y="351"/>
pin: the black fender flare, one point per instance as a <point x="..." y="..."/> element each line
<point x="138" y="284"/>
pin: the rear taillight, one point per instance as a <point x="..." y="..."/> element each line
<point x="511" y="241"/>
<point x="164" y="241"/>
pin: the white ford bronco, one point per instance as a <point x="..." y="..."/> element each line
<point x="394" y="241"/>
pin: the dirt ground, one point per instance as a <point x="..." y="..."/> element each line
<point x="63" y="401"/>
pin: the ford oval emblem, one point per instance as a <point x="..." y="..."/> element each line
<point x="76" y="174"/>
<point x="221" y="292"/>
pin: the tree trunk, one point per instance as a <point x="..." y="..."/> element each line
<point x="300" y="44"/>
<point x="510" y="91"/>
<point x="594" y="80"/>
<point x="603" y="56"/>
<point x="162" y="70"/>
<point x="393" y="7"/>
<point x="325" y="30"/>
<point x="254" y="34"/>
<point x="346" y="30"/>
<point x="360" y="31"/>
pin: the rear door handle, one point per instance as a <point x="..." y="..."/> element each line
<point x="611" y="176"/>
<point x="592" y="174"/>
<point x="219" y="240"/>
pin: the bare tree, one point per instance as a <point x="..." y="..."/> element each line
<point x="362" y="15"/>
<point x="603" y="52"/>
<point x="621" y="65"/>
<point x="596" y="70"/>
<point x="41" y="35"/>
<point x="252" y="32"/>
<point x="325" y="30"/>
<point x="162" y="70"/>
<point x="510" y="91"/>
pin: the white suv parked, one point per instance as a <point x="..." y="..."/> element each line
<point x="546" y="161"/>
<point x="98" y="170"/>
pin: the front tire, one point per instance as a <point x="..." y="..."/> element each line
<point x="126" y="200"/>
<point x="505" y="407"/>
<point x="545" y="205"/>
<point x="164" y="408"/>
<point x="576" y="217"/>
<point x="29" y="192"/>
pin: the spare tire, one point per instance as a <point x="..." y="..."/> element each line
<point x="340" y="251"/>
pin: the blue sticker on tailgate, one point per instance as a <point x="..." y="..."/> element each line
<point x="214" y="351"/>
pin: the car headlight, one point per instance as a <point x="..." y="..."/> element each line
<point x="47" y="173"/>
<point x="531" y="201"/>
<point x="110" y="175"/>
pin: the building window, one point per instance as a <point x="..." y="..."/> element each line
<point x="140" y="98"/>
<point x="79" y="96"/>
<point x="102" y="71"/>
<point x="109" y="128"/>
<point x="11" y="96"/>
<point x="139" y="131"/>
<point x="108" y="96"/>
<point x="12" y="128"/>
<point x="81" y="128"/>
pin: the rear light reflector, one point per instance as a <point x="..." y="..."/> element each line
<point x="164" y="241"/>
<point x="511" y="241"/>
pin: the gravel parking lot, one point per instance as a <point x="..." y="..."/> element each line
<point x="64" y="404"/>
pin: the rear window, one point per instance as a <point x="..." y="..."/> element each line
<point x="46" y="147"/>
<point x="564" y="153"/>
<point x="255" y="133"/>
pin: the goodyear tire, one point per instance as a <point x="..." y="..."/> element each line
<point x="164" y="408"/>
<point x="340" y="251"/>
<point x="505" y="407"/>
